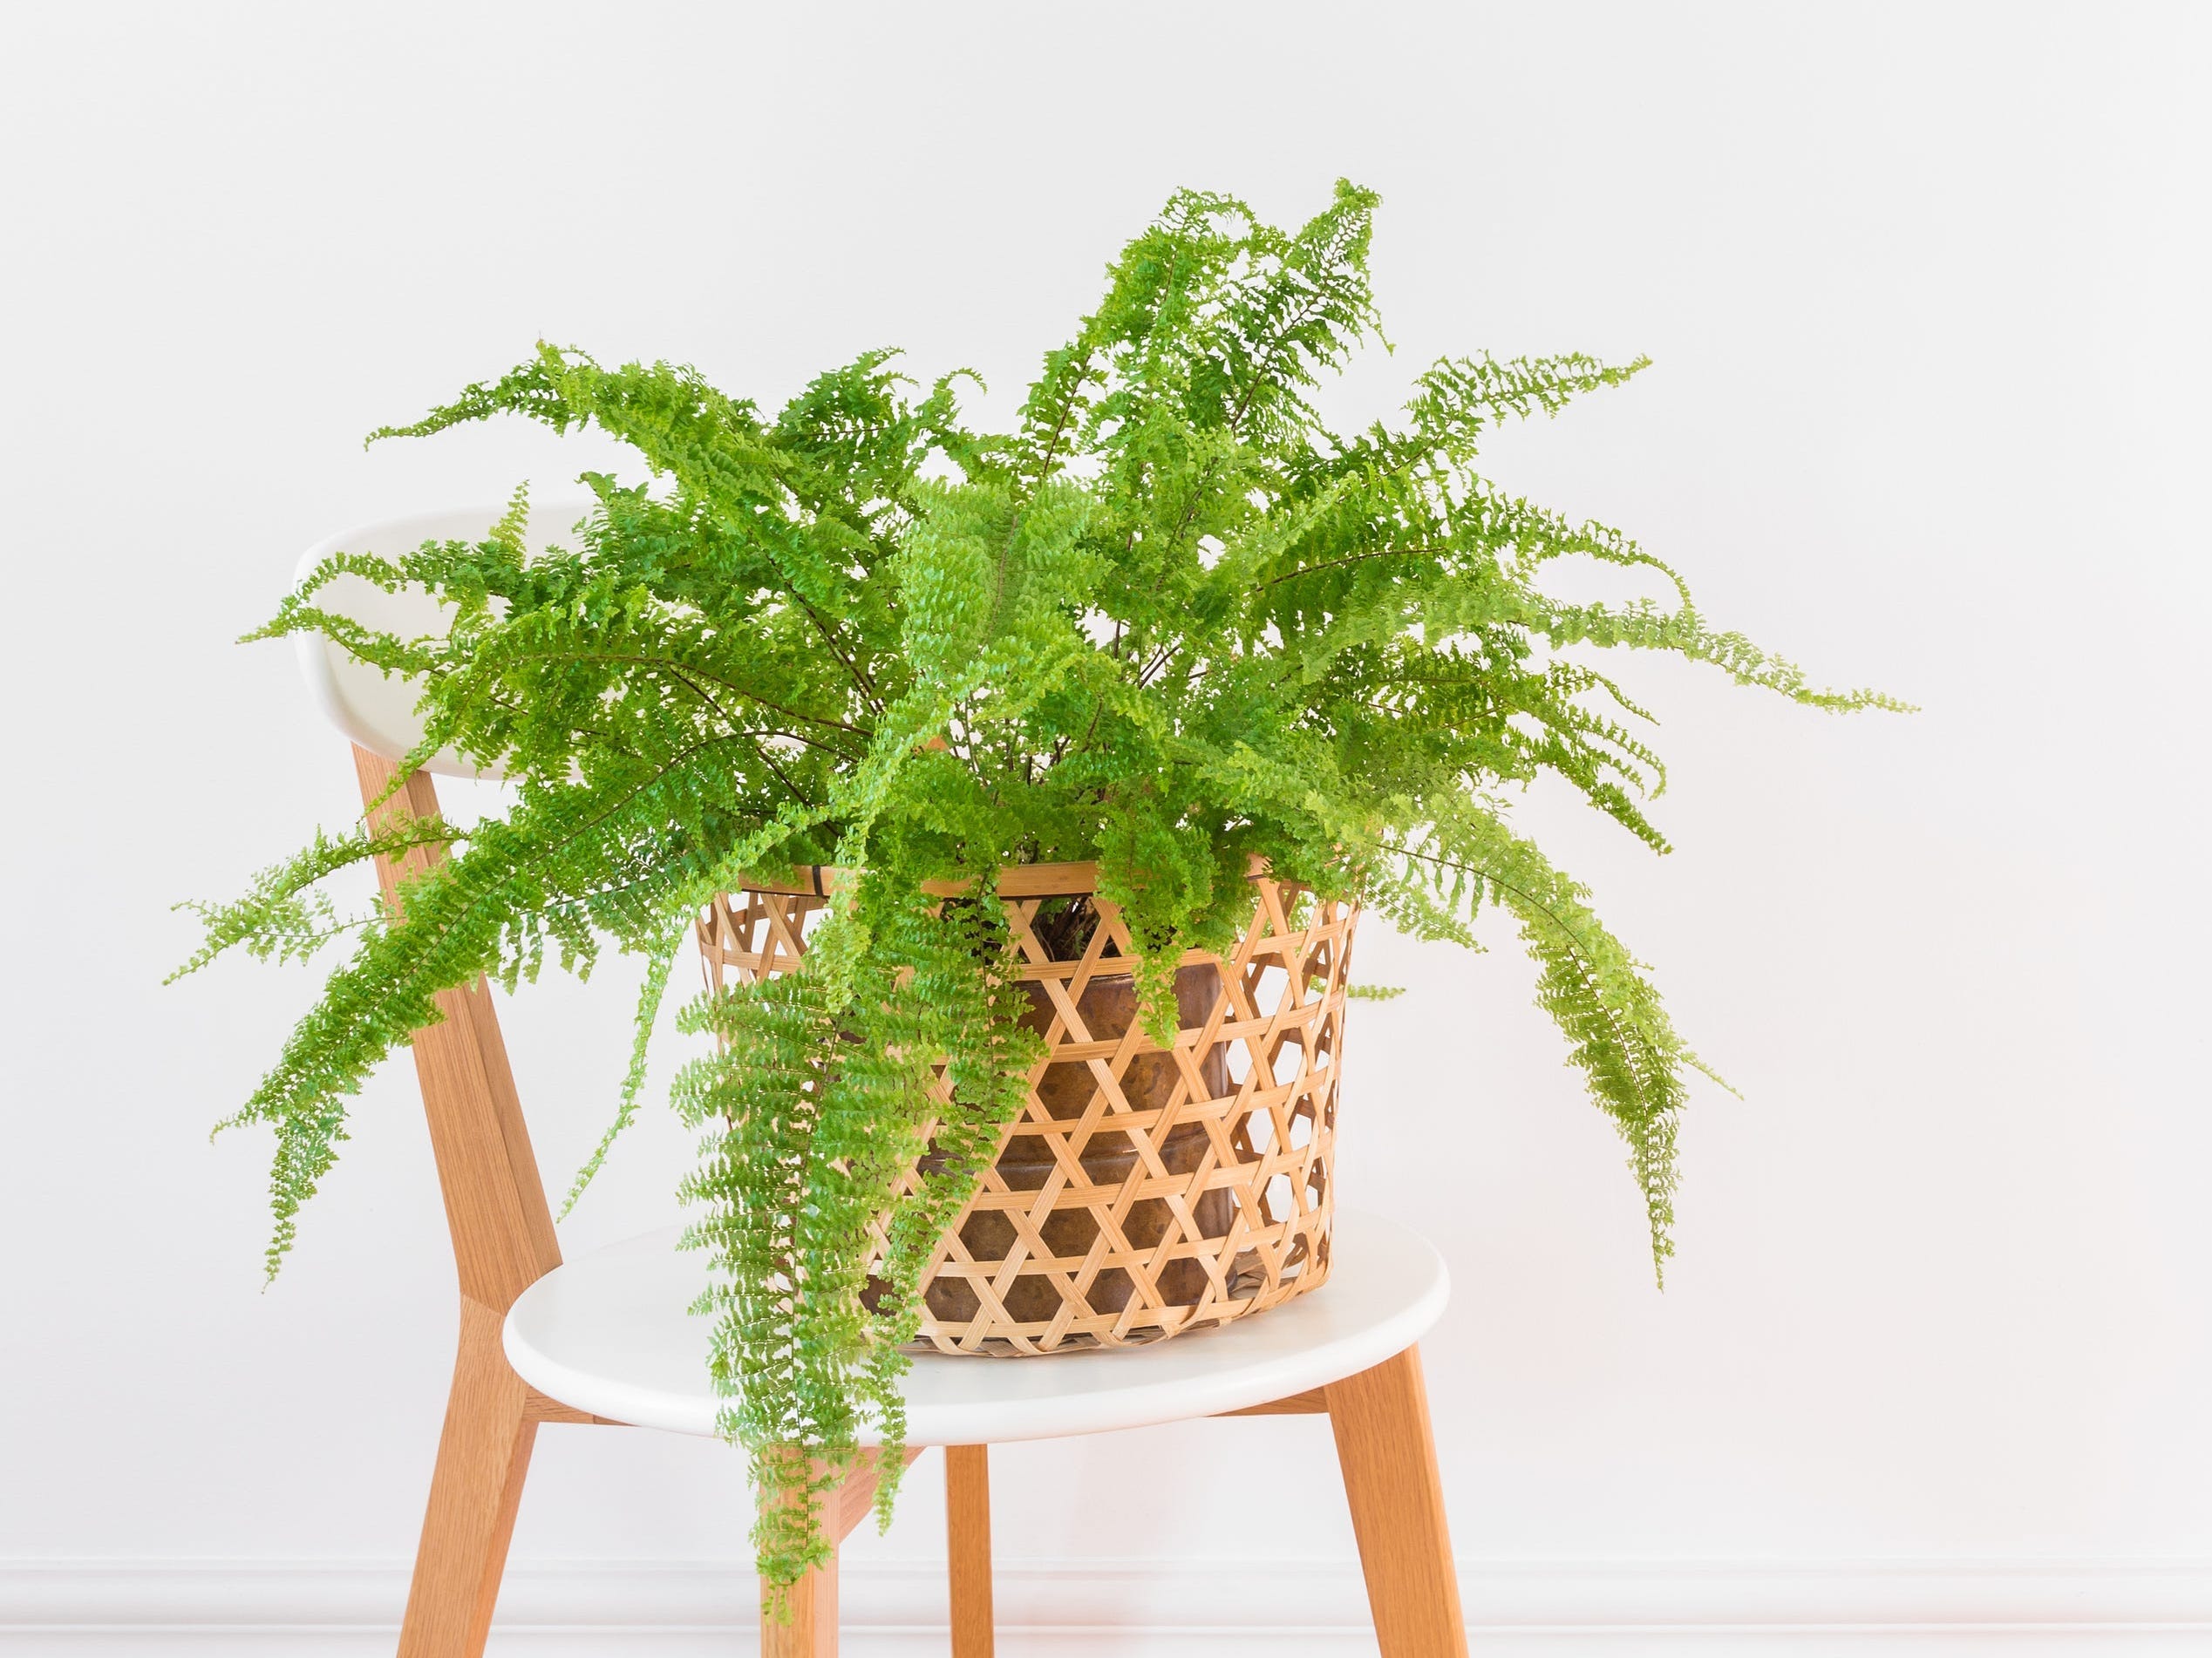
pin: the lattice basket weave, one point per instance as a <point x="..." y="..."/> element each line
<point x="1143" y="1191"/>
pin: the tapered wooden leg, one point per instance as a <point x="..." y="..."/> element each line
<point x="811" y="1631"/>
<point x="968" y="1549"/>
<point x="1380" y="1417"/>
<point x="483" y="1456"/>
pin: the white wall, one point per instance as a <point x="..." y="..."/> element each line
<point x="1925" y="286"/>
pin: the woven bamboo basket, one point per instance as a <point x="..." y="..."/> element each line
<point x="1142" y="1192"/>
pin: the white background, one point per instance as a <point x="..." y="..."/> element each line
<point x="1926" y="290"/>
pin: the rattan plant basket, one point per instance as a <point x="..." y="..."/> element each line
<point x="1143" y="1191"/>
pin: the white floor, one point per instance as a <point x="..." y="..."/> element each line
<point x="583" y="1609"/>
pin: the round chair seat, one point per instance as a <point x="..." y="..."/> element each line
<point x="607" y="1333"/>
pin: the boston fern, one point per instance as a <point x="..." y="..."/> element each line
<point x="1170" y="622"/>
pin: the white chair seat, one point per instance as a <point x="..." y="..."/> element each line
<point x="607" y="1333"/>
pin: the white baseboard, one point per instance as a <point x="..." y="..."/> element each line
<point x="182" y="1609"/>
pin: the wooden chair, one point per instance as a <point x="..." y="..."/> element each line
<point x="605" y="1341"/>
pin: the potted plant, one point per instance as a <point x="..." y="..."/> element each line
<point x="1025" y="741"/>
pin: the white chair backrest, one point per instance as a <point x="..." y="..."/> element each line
<point x="374" y="710"/>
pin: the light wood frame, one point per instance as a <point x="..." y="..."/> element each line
<point x="503" y="1242"/>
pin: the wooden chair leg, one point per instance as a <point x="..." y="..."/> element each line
<point x="968" y="1549"/>
<point x="483" y="1456"/>
<point x="810" y="1632"/>
<point x="1380" y="1417"/>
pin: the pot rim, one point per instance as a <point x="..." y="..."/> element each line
<point x="1014" y="881"/>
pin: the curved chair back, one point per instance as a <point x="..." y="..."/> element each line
<point x="375" y="711"/>
<point x="495" y="1204"/>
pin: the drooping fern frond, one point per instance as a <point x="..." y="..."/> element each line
<point x="1171" y="621"/>
<point x="286" y="915"/>
<point x="1617" y="1033"/>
